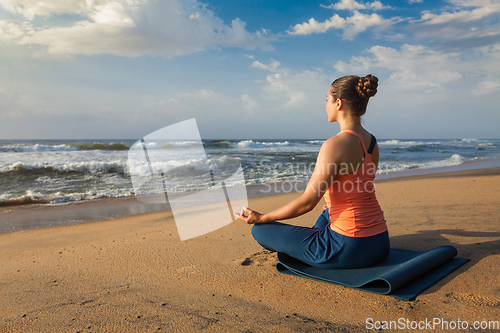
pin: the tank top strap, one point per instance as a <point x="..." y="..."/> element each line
<point x="359" y="137"/>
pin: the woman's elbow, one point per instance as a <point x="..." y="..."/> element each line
<point x="308" y="205"/>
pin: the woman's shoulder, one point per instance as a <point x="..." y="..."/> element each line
<point x="333" y="142"/>
<point x="337" y="144"/>
<point x="351" y="140"/>
<point x="341" y="140"/>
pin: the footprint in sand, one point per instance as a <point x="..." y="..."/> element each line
<point x="263" y="258"/>
<point x="470" y="299"/>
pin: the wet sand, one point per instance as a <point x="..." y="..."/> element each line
<point x="133" y="274"/>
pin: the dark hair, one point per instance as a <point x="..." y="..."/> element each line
<point x="355" y="92"/>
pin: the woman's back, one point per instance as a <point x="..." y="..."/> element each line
<point x="353" y="207"/>
<point x="353" y="154"/>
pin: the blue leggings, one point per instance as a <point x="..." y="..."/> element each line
<point x="320" y="246"/>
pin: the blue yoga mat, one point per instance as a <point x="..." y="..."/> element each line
<point x="404" y="274"/>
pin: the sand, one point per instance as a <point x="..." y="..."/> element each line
<point x="133" y="274"/>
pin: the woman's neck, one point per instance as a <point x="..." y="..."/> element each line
<point x="350" y="124"/>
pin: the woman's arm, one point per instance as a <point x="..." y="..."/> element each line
<point x="327" y="165"/>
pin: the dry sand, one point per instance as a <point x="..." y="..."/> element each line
<point x="133" y="274"/>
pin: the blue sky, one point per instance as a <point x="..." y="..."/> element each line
<point x="95" y="69"/>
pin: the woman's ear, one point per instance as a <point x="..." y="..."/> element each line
<point x="340" y="104"/>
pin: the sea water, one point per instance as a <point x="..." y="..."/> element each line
<point x="62" y="171"/>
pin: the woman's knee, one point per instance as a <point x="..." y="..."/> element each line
<point x="264" y="230"/>
<point x="255" y="232"/>
<point x="261" y="234"/>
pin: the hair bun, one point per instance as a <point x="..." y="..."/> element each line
<point x="367" y="86"/>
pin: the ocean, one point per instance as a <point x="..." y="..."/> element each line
<point x="58" y="172"/>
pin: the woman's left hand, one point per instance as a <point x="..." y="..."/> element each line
<point x="253" y="216"/>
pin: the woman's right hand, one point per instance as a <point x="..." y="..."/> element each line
<point x="253" y="216"/>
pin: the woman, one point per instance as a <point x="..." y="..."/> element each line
<point x="351" y="232"/>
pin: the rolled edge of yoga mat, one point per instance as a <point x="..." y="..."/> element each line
<point x="412" y="289"/>
<point x="418" y="266"/>
<point x="384" y="283"/>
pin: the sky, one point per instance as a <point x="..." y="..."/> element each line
<point x="120" y="69"/>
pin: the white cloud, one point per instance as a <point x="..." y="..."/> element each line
<point x="415" y="1"/>
<point x="127" y="28"/>
<point x="418" y="75"/>
<point x="249" y="103"/>
<point x="351" y="26"/>
<point x="354" y="5"/>
<point x="422" y="88"/>
<point x="31" y="8"/>
<point x="488" y="60"/>
<point x="11" y="30"/>
<point x="464" y="24"/>
<point x="271" y="67"/>
<point x="356" y="65"/>
<point x="171" y="102"/>
<point x="313" y="26"/>
<point x="413" y="68"/>
<point x="203" y="95"/>
<point x="290" y="88"/>
<point x="483" y="10"/>
<point x="486" y="87"/>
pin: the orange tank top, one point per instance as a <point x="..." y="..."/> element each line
<point x="353" y="206"/>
